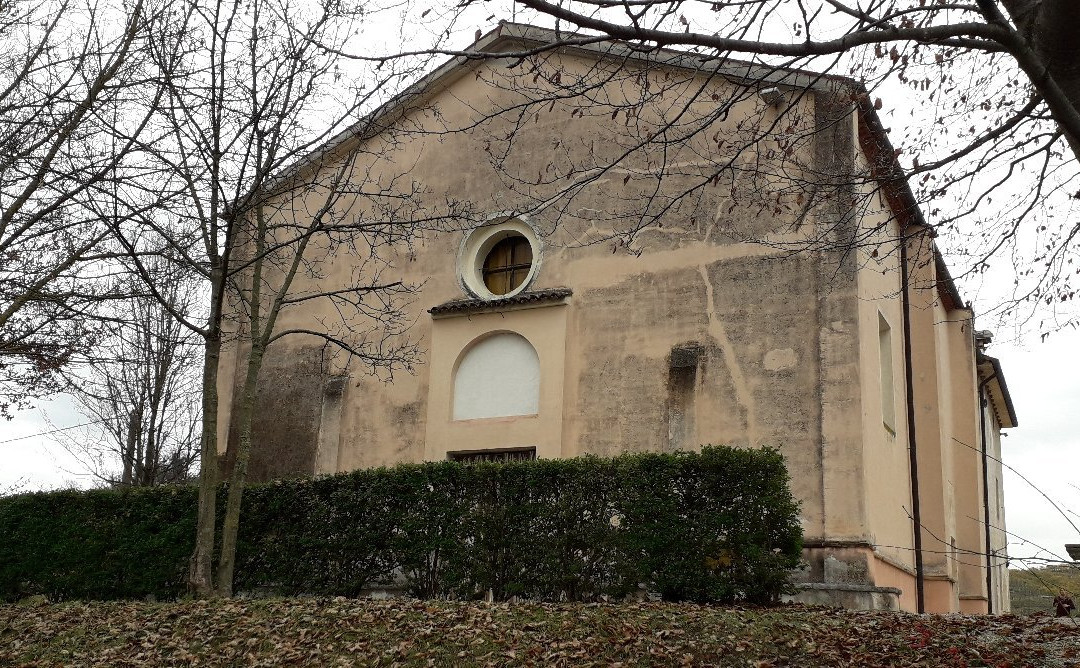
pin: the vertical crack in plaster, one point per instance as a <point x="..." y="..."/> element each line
<point x="738" y="380"/>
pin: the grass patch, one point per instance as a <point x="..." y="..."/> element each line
<point x="1033" y="590"/>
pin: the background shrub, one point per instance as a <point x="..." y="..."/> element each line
<point x="719" y="525"/>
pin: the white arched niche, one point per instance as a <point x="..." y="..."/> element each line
<point x="497" y="377"/>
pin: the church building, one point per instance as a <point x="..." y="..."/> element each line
<point x="656" y="251"/>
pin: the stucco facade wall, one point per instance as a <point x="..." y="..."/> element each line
<point x="947" y="439"/>
<point x="751" y="317"/>
<point x="967" y="465"/>
<point x="999" y="537"/>
<point x="933" y="466"/>
<point x="885" y="458"/>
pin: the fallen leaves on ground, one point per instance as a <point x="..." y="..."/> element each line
<point x="402" y="632"/>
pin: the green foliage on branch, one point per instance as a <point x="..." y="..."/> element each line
<point x="716" y="526"/>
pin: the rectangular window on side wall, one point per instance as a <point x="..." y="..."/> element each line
<point x="885" y="362"/>
<point x="503" y="455"/>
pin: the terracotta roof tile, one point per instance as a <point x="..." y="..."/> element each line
<point x="533" y="297"/>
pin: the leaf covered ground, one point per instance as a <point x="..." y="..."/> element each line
<point x="300" y="631"/>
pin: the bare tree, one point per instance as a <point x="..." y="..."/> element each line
<point x="69" y="73"/>
<point x="249" y="90"/>
<point x="370" y="325"/>
<point x="139" y="391"/>
<point x="13" y="488"/>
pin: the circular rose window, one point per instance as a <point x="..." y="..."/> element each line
<point x="499" y="260"/>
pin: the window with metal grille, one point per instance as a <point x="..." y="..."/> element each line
<point x="507" y="264"/>
<point x="505" y="455"/>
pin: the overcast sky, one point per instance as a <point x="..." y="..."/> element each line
<point x="1045" y="387"/>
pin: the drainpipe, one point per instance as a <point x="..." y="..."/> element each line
<point x="986" y="491"/>
<point x="913" y="459"/>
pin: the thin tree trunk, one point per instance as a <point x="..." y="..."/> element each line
<point x="135" y="441"/>
<point x="150" y="469"/>
<point x="129" y="451"/>
<point x="231" y="525"/>
<point x="139" y="474"/>
<point x="200" y="573"/>
<point x="238" y="477"/>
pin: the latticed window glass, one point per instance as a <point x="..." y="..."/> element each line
<point x="507" y="265"/>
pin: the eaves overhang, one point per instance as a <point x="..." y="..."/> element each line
<point x="886" y="170"/>
<point x="991" y="376"/>
<point x="524" y="300"/>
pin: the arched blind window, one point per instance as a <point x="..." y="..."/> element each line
<point x="497" y="377"/>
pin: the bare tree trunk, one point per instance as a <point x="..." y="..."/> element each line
<point x="200" y="573"/>
<point x="153" y="455"/>
<point x="231" y="524"/>
<point x="129" y="450"/>
<point x="139" y="474"/>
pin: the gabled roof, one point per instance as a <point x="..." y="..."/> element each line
<point x="510" y="39"/>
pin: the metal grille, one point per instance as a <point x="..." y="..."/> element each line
<point x="505" y="455"/>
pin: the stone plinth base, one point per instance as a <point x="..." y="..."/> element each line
<point x="850" y="596"/>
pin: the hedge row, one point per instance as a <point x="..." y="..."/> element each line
<point x="716" y="526"/>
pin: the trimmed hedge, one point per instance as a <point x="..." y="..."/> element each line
<point x="716" y="526"/>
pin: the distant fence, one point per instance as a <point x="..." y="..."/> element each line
<point x="716" y="526"/>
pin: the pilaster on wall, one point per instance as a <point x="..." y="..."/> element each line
<point x="967" y="478"/>
<point x="843" y="483"/>
<point x="925" y="385"/>
<point x="287" y="417"/>
<point x="941" y="595"/>
<point x="329" y="443"/>
<point x="932" y="393"/>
